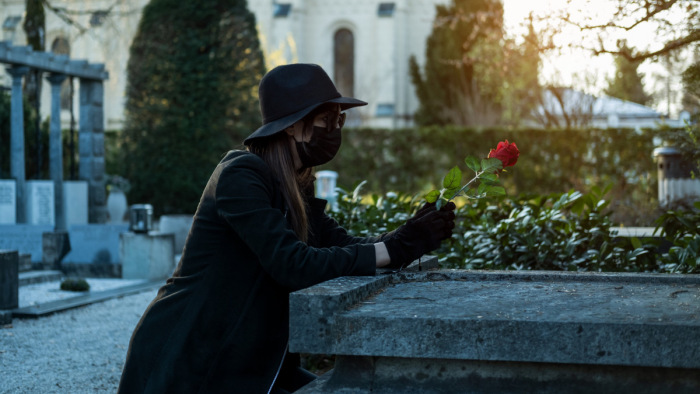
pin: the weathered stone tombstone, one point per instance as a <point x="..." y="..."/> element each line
<point x="25" y="238"/>
<point x="179" y="226"/>
<point x="9" y="279"/>
<point x="9" y="284"/>
<point x="75" y="194"/>
<point x="147" y="255"/>
<point x="8" y="202"/>
<point x="492" y="332"/>
<point x="40" y="203"/>
<point x="94" y="250"/>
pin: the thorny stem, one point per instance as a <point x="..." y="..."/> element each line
<point x="466" y="186"/>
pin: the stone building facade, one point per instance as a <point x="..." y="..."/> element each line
<point x="365" y="46"/>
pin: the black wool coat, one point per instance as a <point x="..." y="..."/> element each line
<point x="221" y="322"/>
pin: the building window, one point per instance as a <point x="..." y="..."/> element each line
<point x="11" y="22"/>
<point x="9" y="27"/>
<point x="98" y="18"/>
<point x="386" y="10"/>
<point x="385" y="110"/>
<point x="281" y="10"/>
<point x="344" y="62"/>
<point x="60" y="46"/>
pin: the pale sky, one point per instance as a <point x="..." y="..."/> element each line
<point x="587" y="72"/>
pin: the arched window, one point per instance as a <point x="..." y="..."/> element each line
<point x="61" y="46"/>
<point x="344" y="62"/>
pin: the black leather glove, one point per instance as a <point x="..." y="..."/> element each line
<point x="421" y="234"/>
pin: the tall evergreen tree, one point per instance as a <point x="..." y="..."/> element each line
<point x="193" y="73"/>
<point x="691" y="94"/>
<point x="627" y="83"/>
<point x="35" y="30"/>
<point x="474" y="75"/>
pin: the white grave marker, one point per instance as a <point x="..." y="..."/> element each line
<point x="75" y="202"/>
<point x="8" y="201"/>
<point x="40" y="204"/>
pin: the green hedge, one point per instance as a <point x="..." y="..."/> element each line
<point x="551" y="161"/>
<point x="562" y="232"/>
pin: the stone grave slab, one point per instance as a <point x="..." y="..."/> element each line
<point x="25" y="238"/>
<point x="480" y="331"/>
<point x="8" y="201"/>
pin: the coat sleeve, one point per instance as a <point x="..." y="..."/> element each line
<point x="244" y="200"/>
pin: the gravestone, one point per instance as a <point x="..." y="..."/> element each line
<point x="9" y="279"/>
<point x="40" y="202"/>
<point x="147" y="256"/>
<point x="493" y="332"/>
<point x="75" y="197"/>
<point x="25" y="238"/>
<point x="179" y="225"/>
<point x="95" y="243"/>
<point x="8" y="201"/>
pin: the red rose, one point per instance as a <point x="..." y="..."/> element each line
<point x="506" y="152"/>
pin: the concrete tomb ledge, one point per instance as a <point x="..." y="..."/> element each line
<point x="636" y="322"/>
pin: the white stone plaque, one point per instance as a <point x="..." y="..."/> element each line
<point x="8" y="201"/>
<point x="75" y="202"/>
<point x="40" y="202"/>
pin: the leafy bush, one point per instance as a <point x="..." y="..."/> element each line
<point x="75" y="284"/>
<point x="569" y="232"/>
<point x="682" y="228"/>
<point x="566" y="232"/>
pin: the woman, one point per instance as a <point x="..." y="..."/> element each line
<point x="220" y="324"/>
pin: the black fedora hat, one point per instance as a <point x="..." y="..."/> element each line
<point x="289" y="93"/>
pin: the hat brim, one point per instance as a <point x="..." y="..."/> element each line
<point x="280" y="124"/>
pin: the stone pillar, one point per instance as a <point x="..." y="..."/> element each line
<point x="56" y="149"/>
<point x="91" y="148"/>
<point x="17" y="138"/>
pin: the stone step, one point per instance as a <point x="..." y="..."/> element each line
<point x="39" y="276"/>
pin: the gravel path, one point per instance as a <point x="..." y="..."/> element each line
<point x="80" y="350"/>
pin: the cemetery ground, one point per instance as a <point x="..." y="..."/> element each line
<point x="79" y="350"/>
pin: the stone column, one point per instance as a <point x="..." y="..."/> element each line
<point x="91" y="148"/>
<point x="17" y="139"/>
<point x="56" y="149"/>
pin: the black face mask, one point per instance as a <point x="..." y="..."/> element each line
<point x="321" y="148"/>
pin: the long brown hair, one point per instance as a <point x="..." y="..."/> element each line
<point x="275" y="151"/>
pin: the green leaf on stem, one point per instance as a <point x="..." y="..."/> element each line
<point x="432" y="196"/>
<point x="491" y="190"/>
<point x="452" y="179"/>
<point x="489" y="177"/>
<point x="451" y="193"/>
<point x="495" y="191"/>
<point x="473" y="163"/>
<point x="491" y="165"/>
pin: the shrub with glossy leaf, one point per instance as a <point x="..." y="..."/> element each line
<point x="377" y="214"/>
<point x="682" y="228"/>
<point x="569" y="232"/>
